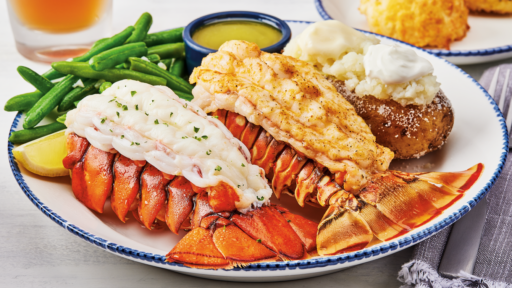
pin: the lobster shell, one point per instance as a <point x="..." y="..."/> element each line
<point x="391" y="204"/>
<point x="220" y="236"/>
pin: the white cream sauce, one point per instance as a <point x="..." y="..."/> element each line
<point x="395" y="65"/>
<point x="144" y="122"/>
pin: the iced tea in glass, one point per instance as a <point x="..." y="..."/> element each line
<point x="54" y="30"/>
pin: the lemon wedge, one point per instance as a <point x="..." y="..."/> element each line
<point x="44" y="156"/>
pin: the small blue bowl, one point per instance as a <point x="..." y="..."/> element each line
<point x="195" y="52"/>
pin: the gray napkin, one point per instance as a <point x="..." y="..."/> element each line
<point x="493" y="266"/>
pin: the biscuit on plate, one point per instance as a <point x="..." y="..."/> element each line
<point x="495" y="6"/>
<point x="424" y="23"/>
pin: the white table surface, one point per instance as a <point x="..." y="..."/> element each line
<point x="35" y="252"/>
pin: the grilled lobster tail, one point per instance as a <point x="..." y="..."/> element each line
<point x="390" y="204"/>
<point x="220" y="236"/>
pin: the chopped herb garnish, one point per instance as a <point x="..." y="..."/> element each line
<point x="204" y="137"/>
<point x="137" y="143"/>
<point x="132" y="144"/>
<point x="209" y="152"/>
<point x="184" y="137"/>
<point x="146" y="113"/>
<point x="119" y="104"/>
<point x="185" y="106"/>
<point x="243" y="165"/>
<point x="171" y="114"/>
<point x="258" y="240"/>
<point x="113" y="99"/>
<point x="197" y="138"/>
<point x="218" y="168"/>
<point x="152" y="100"/>
<point x="103" y="120"/>
<point x="122" y="136"/>
<point x="260" y="198"/>
<point x="238" y="186"/>
<point x="166" y="124"/>
<point x="216" y="117"/>
<point x="117" y="112"/>
<point x="137" y="107"/>
<point x="289" y="220"/>
<point x="196" y="129"/>
<point x="125" y="107"/>
<point x="224" y="228"/>
<point x="111" y="131"/>
<point x="133" y="93"/>
<point x="156" y="122"/>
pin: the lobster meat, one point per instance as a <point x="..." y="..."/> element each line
<point x="313" y="146"/>
<point x="225" y="231"/>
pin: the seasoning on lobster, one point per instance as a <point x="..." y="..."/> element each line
<point x="166" y="161"/>
<point x="313" y="145"/>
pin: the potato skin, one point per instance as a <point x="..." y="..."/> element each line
<point x="409" y="131"/>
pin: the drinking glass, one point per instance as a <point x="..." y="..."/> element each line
<point x="55" y="30"/>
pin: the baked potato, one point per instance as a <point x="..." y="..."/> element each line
<point x="409" y="131"/>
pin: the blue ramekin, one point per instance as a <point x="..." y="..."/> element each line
<point x="195" y="52"/>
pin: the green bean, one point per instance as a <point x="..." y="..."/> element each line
<point x="49" y="101"/>
<point x="164" y="37"/>
<point x="168" y="62"/>
<point x="112" y="75"/>
<point x="104" y="86"/>
<point x="174" y="50"/>
<point x="153" y="58"/>
<point x="178" y="67"/>
<point x="125" y="65"/>
<point x="173" y="82"/>
<point x="62" y="118"/>
<point x="24" y="136"/>
<point x="98" y="47"/>
<point x="77" y="94"/>
<point x="141" y="28"/>
<point x="104" y="45"/>
<point x="23" y="102"/>
<point x="183" y="95"/>
<point x="52" y="74"/>
<point x="39" y="82"/>
<point x="118" y="55"/>
<point x="97" y="43"/>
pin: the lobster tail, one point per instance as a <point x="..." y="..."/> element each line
<point x="220" y="237"/>
<point x="389" y="205"/>
<point x="392" y="204"/>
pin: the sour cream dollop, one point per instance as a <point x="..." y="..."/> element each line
<point x="395" y="65"/>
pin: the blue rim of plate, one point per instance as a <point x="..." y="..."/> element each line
<point x="272" y="266"/>
<point x="441" y="53"/>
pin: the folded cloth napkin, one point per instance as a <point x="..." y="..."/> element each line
<point x="493" y="266"/>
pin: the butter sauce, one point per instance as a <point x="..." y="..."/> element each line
<point x="215" y="34"/>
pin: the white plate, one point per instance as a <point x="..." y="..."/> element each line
<point x="478" y="136"/>
<point x="488" y="39"/>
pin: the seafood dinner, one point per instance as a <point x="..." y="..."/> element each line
<point x="289" y="115"/>
<point x="166" y="161"/>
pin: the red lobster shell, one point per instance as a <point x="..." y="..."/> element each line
<point x="220" y="237"/>
<point x="391" y="203"/>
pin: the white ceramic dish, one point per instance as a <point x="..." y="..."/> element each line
<point x="488" y="39"/>
<point x="477" y="137"/>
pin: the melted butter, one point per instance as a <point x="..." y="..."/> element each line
<point x="215" y="34"/>
<point x="395" y="65"/>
